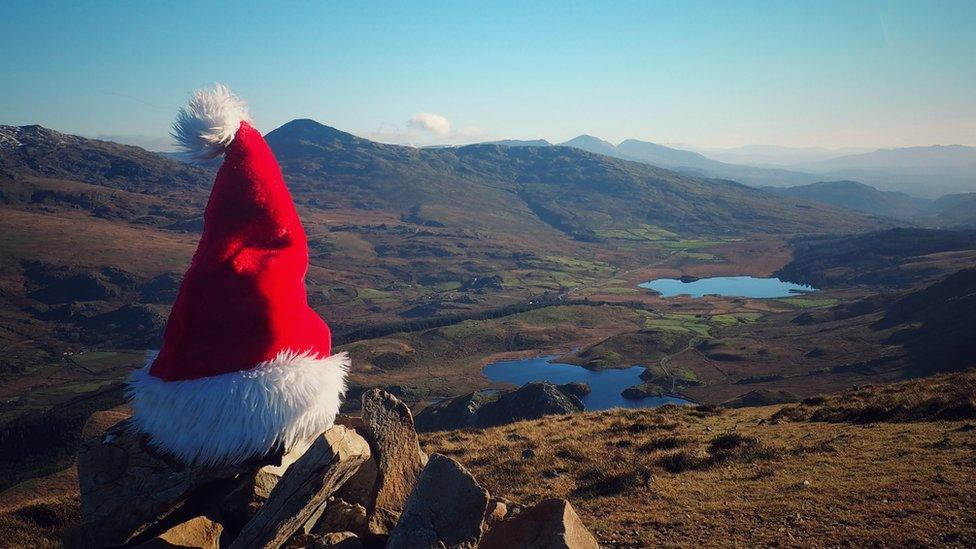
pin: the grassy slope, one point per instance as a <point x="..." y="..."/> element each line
<point x="684" y="477"/>
<point x="892" y="465"/>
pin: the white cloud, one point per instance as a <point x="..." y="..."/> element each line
<point x="429" y="122"/>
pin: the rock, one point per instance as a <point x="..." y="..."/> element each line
<point x="360" y="489"/>
<point x="531" y="401"/>
<point x="528" y="453"/>
<point x="643" y="390"/>
<point x="399" y="459"/>
<point x="328" y="463"/>
<point x="450" y="414"/>
<point x="550" y="524"/>
<point x="198" y="532"/>
<point x="339" y="516"/>
<point x="243" y="500"/>
<point x="127" y="488"/>
<point x="339" y="540"/>
<point x="496" y="512"/>
<point x="575" y="388"/>
<point x="446" y="509"/>
<point x="330" y="540"/>
<point x="246" y="496"/>
<point x="100" y="422"/>
<point x="688" y="278"/>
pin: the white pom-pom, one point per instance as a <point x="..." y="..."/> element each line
<point x="208" y="123"/>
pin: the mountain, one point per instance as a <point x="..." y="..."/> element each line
<point x="951" y="210"/>
<point x="594" y="145"/>
<point x="516" y="188"/>
<point x="858" y="197"/>
<point x="772" y="155"/>
<point x="689" y="163"/>
<point x="40" y="152"/>
<point x="921" y="171"/>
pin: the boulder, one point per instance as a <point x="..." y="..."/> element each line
<point x="446" y="508"/>
<point x="200" y="532"/>
<point x="450" y="414"/>
<point x="127" y="487"/>
<point x="550" y="524"/>
<point x="399" y="459"/>
<point x="475" y="410"/>
<point x="305" y="487"/>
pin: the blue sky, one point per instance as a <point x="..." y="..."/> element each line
<point x="713" y="74"/>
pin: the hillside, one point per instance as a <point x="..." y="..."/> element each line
<point x="895" y="257"/>
<point x="858" y="197"/>
<point x="951" y="210"/>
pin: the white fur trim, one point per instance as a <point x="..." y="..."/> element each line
<point x="228" y="418"/>
<point x="209" y="122"/>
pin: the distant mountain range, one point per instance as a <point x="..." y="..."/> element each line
<point x="690" y="163"/>
<point x="927" y="172"/>
<point x="921" y="171"/>
<point x="509" y="188"/>
<point x="771" y="155"/>
<point x="481" y="187"/>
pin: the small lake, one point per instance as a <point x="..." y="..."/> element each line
<point x="605" y="385"/>
<point x="732" y="286"/>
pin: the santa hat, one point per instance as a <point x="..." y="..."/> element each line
<point x="246" y="365"/>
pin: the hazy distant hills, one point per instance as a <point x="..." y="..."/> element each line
<point x="859" y="197"/>
<point x="951" y="210"/>
<point x="772" y="155"/>
<point x="920" y="171"/>
<point x="689" y="162"/>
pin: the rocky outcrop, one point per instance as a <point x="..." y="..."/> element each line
<point x="445" y="509"/>
<point x="127" y="488"/>
<point x="330" y="461"/>
<point x="477" y="410"/>
<point x="399" y="459"/>
<point x="363" y="483"/>
<point x="550" y="524"/>
<point x="575" y="389"/>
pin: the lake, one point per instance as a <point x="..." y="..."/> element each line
<point x="733" y="286"/>
<point x="605" y="385"/>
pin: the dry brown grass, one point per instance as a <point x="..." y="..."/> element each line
<point x="681" y="477"/>
<point x="946" y="397"/>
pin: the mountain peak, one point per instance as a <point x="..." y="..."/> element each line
<point x="304" y="133"/>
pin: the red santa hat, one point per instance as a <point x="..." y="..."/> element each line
<point x="246" y="364"/>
